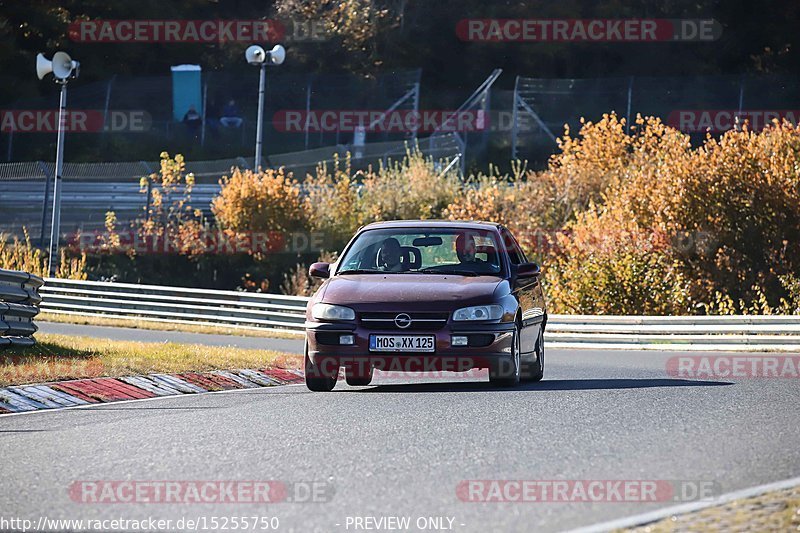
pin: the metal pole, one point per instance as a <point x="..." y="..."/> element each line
<point x="55" y="227"/>
<point x="259" y="132"/>
<point x="308" y="109"/>
<point x="203" y="126"/>
<point x="628" y="112"/>
<point x="44" y="203"/>
<point x="107" y="104"/>
<point x="737" y="121"/>
<point x="515" y="120"/>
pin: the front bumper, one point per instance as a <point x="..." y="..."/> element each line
<point x="492" y="342"/>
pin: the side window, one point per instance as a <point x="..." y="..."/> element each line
<point x="514" y="251"/>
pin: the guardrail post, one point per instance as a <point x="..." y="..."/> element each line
<point x="46" y="201"/>
<point x="149" y="189"/>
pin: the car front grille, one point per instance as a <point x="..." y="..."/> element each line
<point x="419" y="321"/>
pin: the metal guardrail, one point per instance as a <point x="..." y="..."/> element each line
<point x="175" y="304"/>
<point x="287" y="313"/>
<point x="19" y="301"/>
<point x="90" y="190"/>
<point x="84" y="205"/>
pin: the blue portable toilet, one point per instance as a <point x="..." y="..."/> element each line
<point x="185" y="90"/>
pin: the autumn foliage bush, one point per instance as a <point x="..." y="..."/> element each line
<point x="259" y="201"/>
<point x="626" y="219"/>
<point x="714" y="229"/>
<point x="339" y="201"/>
<point x="634" y="220"/>
<point x="169" y="216"/>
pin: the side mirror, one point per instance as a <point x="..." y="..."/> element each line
<point x="320" y="270"/>
<point x="527" y="270"/>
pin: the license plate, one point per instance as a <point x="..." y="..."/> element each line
<point x="402" y="343"/>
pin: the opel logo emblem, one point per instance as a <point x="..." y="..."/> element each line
<point x="402" y="321"/>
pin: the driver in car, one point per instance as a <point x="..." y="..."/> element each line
<point x="466" y="249"/>
<point x="389" y="256"/>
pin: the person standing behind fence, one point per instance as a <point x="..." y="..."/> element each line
<point x="193" y="122"/>
<point x="231" y="118"/>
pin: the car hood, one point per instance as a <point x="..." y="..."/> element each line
<point x="408" y="289"/>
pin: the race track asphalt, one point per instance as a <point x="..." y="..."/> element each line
<point x="402" y="446"/>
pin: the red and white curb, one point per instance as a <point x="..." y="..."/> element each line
<point x="23" y="398"/>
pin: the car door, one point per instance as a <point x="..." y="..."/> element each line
<point x="529" y="294"/>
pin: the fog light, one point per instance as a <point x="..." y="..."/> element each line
<point x="347" y="339"/>
<point x="459" y="340"/>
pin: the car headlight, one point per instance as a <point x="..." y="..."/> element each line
<point x="479" y="312"/>
<point x="332" y="312"/>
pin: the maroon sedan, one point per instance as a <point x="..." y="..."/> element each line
<point x="420" y="295"/>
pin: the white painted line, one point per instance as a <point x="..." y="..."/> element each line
<point x="660" y="514"/>
<point x="672" y="347"/>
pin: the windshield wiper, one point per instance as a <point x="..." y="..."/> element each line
<point x="360" y="271"/>
<point x="445" y="272"/>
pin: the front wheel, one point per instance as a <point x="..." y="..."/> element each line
<point x="506" y="372"/>
<point x="317" y="379"/>
<point x="534" y="371"/>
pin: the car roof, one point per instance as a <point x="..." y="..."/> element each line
<point x="455" y="224"/>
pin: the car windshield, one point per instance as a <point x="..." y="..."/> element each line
<point x="464" y="252"/>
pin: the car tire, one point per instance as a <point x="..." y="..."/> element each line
<point x="358" y="378"/>
<point x="316" y="379"/>
<point x="534" y="371"/>
<point x="502" y="373"/>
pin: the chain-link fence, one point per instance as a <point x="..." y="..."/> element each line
<point x="89" y="190"/>
<point x="133" y="117"/>
<point x="696" y="105"/>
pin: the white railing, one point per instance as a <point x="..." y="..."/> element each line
<point x="287" y="313"/>
<point x="174" y="304"/>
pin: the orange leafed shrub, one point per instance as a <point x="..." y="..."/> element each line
<point x="338" y="202"/>
<point x="722" y="222"/>
<point x="169" y="216"/>
<point x="333" y="204"/>
<point x="259" y="201"/>
<point x="626" y="220"/>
